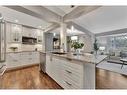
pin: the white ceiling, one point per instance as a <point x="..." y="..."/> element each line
<point x="104" y="19"/>
<point x="12" y="15"/>
<point x="69" y="32"/>
<point x="60" y="10"/>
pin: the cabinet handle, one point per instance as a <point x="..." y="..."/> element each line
<point x="68" y="71"/>
<point x="68" y="83"/>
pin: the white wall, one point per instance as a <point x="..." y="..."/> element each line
<point x="87" y="42"/>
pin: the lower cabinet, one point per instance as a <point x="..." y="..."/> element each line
<point x="53" y="68"/>
<point x="21" y="59"/>
<point x="67" y="73"/>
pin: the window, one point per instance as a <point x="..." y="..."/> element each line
<point x="74" y="38"/>
<point x="114" y="42"/>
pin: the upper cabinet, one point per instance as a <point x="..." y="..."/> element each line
<point x="13" y="33"/>
<point x="28" y="32"/>
<point x="39" y="36"/>
<point x="16" y="33"/>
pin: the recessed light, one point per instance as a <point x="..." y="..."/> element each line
<point x="16" y="21"/>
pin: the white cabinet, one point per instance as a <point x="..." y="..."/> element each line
<point x="39" y="36"/>
<point x="16" y="33"/>
<point x="25" y="32"/>
<point x="13" y="60"/>
<point x="53" y="68"/>
<point x="22" y="59"/>
<point x="28" y="32"/>
<point x="66" y="73"/>
<point x="29" y="57"/>
<point x="71" y="74"/>
<point x="13" y="33"/>
<point x="49" y="66"/>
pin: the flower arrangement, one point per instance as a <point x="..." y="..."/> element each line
<point x="77" y="45"/>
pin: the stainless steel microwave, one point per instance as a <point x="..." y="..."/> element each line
<point x="29" y="40"/>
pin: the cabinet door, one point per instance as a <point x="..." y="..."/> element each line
<point x="13" y="60"/>
<point x="33" y="33"/>
<point x="57" y="70"/>
<point x="49" y="65"/>
<point x="24" y="58"/>
<point x="53" y="68"/>
<point x="16" y="33"/>
<point x="39" y="36"/>
<point x="26" y="32"/>
<point x="35" y="57"/>
<point x="8" y="32"/>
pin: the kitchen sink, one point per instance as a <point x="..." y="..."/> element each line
<point x="60" y="53"/>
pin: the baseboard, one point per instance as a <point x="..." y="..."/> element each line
<point x="21" y="67"/>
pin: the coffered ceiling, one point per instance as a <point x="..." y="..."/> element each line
<point x="89" y="19"/>
<point x="61" y="10"/>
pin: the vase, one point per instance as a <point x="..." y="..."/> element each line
<point x="76" y="52"/>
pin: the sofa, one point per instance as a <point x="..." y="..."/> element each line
<point x="114" y="57"/>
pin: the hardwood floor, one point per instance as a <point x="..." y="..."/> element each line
<point x="28" y="78"/>
<point x="31" y="78"/>
<point x="110" y="80"/>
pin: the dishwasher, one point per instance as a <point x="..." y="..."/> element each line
<point x="42" y="65"/>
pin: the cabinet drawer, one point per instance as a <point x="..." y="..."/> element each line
<point x="76" y="77"/>
<point x="73" y="70"/>
<point x="68" y="84"/>
<point x="73" y="64"/>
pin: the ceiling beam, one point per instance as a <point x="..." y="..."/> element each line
<point x="49" y="16"/>
<point x="79" y="11"/>
<point x="38" y="12"/>
<point x="69" y="24"/>
<point x="119" y="31"/>
<point x="52" y="27"/>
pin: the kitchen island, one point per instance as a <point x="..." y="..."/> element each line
<point x="73" y="71"/>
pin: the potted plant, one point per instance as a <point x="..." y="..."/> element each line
<point x="96" y="48"/>
<point x="76" y="46"/>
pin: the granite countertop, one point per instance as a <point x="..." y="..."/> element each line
<point x="25" y="51"/>
<point x="86" y="57"/>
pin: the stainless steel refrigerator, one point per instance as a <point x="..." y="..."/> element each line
<point x="2" y="40"/>
<point x="2" y="46"/>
